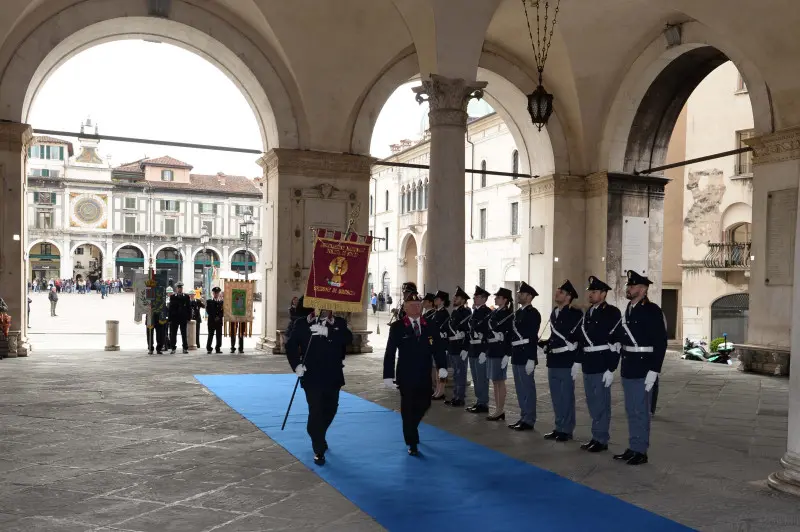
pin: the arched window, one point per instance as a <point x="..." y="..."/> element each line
<point x="420" y="203"/>
<point x="402" y="200"/>
<point x="387" y="200"/>
<point x="414" y="198"/>
<point x="408" y="199"/>
<point x="483" y="174"/>
<point x="515" y="163"/>
<point x="370" y="204"/>
<point x="425" y="196"/>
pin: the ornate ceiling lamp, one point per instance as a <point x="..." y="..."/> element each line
<point x="540" y="102"/>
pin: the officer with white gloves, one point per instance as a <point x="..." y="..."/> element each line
<point x="478" y="331"/>
<point x="599" y="359"/>
<point x="524" y="356"/>
<point x="458" y="346"/>
<point x="643" y="335"/>
<point x="499" y="350"/>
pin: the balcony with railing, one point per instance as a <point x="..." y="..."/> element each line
<point x="728" y="256"/>
<point x="743" y="169"/>
<point x="414" y="219"/>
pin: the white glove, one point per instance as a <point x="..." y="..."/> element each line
<point x="311" y="317"/>
<point x="529" y="366"/>
<point x="300" y="370"/>
<point x="504" y="362"/>
<point x="540" y="352"/>
<point x="442" y="373"/>
<point x="498" y="336"/>
<point x="459" y="335"/>
<point x="479" y="336"/>
<point x="464" y="354"/>
<point x="482" y="358"/>
<point x="387" y="383"/>
<point x="575" y="367"/>
<point x="650" y="380"/>
<point x="319" y="329"/>
<point x="608" y="379"/>
<point x="572" y="346"/>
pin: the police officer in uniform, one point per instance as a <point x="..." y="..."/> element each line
<point x="524" y="335"/>
<point x="323" y="342"/>
<point x="215" y="313"/>
<point x="458" y="345"/>
<point x="407" y="289"/>
<point x="562" y="369"/>
<point x="180" y="310"/>
<point x="197" y="315"/>
<point x="439" y="317"/>
<point x="643" y="335"/>
<point x="499" y="350"/>
<point x="478" y="334"/>
<point x="599" y="357"/>
<point x="415" y="341"/>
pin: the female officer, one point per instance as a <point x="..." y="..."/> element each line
<point x="499" y="350"/>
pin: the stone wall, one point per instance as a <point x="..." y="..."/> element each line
<point x="763" y="360"/>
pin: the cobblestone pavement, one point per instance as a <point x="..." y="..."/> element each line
<point x="92" y="440"/>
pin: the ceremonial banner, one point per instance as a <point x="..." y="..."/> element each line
<point x="238" y="300"/>
<point x="142" y="303"/>
<point x="149" y="290"/>
<point x="338" y="271"/>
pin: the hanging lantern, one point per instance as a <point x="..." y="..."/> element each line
<point x="540" y="106"/>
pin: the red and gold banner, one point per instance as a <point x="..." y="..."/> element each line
<point x="338" y="270"/>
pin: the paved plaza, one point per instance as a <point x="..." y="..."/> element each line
<point x="95" y="440"/>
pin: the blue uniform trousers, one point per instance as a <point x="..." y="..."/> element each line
<point x="562" y="390"/>
<point x="526" y="393"/>
<point x="598" y="399"/>
<point x="459" y="376"/>
<point x="637" y="408"/>
<point x="480" y="381"/>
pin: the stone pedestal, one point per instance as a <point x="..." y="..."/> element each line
<point x="444" y="248"/>
<point x="112" y="335"/>
<point x="14" y="139"/>
<point x="306" y="189"/>
<point x="612" y="201"/>
<point x="763" y="359"/>
<point x="191" y="332"/>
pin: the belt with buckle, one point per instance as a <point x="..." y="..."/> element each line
<point x="594" y="348"/>
<point x="635" y="349"/>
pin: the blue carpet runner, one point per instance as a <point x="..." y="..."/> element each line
<point x="455" y="486"/>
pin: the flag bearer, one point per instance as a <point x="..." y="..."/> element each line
<point x="458" y="348"/>
<point x="478" y="334"/>
<point x="525" y="333"/>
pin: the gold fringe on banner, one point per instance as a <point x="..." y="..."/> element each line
<point x="336" y="306"/>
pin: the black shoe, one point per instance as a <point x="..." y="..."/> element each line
<point x="497" y="417"/>
<point x="172" y="352"/>
<point x="241" y="350"/>
<point x="523" y="426"/>
<point x="437" y="398"/>
<point x="218" y="351"/>
<point x="637" y="459"/>
<point x="149" y="351"/>
<point x="159" y="353"/>
<point x="185" y="351"/>
<point x="478" y="409"/>
<point x="551" y="435"/>
<point x="627" y="455"/>
<point x="455" y="402"/>
<point x="598" y="447"/>
<point x="588" y="444"/>
<point x="413" y="451"/>
<point x="208" y="351"/>
<point x="515" y="424"/>
<point x="233" y="350"/>
<point x="319" y="459"/>
<point x="563" y="436"/>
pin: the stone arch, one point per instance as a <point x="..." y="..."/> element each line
<point x="133" y="245"/>
<point x="167" y="246"/>
<point x="250" y="65"/>
<point x="45" y="241"/>
<point x="237" y="250"/>
<point x="210" y="248"/>
<point x="423" y="243"/>
<point x="404" y="240"/>
<point x="655" y="89"/>
<point x="88" y="243"/>
<point x="735" y="214"/>
<point x="545" y="152"/>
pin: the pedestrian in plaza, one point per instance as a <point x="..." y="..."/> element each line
<point x="180" y="310"/>
<point x="525" y="333"/>
<point x="562" y="368"/>
<point x="197" y="307"/>
<point x="374" y="302"/>
<point x="52" y="296"/>
<point x="478" y="334"/>
<point x="499" y="350"/>
<point x="316" y="351"/>
<point x="458" y="348"/>
<point x="215" y="318"/>
<point x="440" y="318"/>
<point x="643" y="335"/>
<point x="29" y="312"/>
<point x="415" y="342"/>
<point x="599" y="357"/>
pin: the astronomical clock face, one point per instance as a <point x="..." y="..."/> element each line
<point x="89" y="211"/>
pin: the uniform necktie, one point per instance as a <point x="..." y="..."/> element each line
<point x="416" y="328"/>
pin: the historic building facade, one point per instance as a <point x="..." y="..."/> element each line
<point x="89" y="220"/>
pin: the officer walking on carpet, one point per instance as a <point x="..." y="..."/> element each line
<point x="599" y="357"/>
<point x="458" y="345"/>
<point x="525" y="333"/>
<point x="643" y="335"/>
<point x="415" y="343"/>
<point x="316" y="350"/>
<point x="478" y="335"/>
<point x="562" y="369"/>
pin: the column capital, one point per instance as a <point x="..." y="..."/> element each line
<point x="780" y="146"/>
<point x="448" y="99"/>
<point x="602" y="183"/>
<point x="552" y="185"/>
<point x="309" y="163"/>
<point x="15" y="136"/>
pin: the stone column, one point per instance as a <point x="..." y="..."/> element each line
<point x="14" y="140"/>
<point x="774" y="288"/>
<point x="552" y="218"/>
<point x="612" y="202"/>
<point x="305" y="189"/>
<point x="420" y="280"/>
<point x="109" y="264"/>
<point x="188" y="268"/>
<point x="448" y="99"/>
<point x="66" y="259"/>
<point x="224" y="262"/>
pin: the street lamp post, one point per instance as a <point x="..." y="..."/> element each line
<point x="245" y="232"/>
<point x="204" y="242"/>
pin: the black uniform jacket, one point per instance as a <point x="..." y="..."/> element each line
<point x="323" y="354"/>
<point x="479" y="330"/>
<point x="441" y="319"/>
<point x="459" y="322"/>
<point x="215" y="312"/>
<point x="197" y="305"/>
<point x="646" y="323"/>
<point x="415" y="355"/>
<point x="180" y="308"/>
<point x="596" y="331"/>
<point x="500" y="322"/>
<point x="566" y="324"/>
<point x="525" y="333"/>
